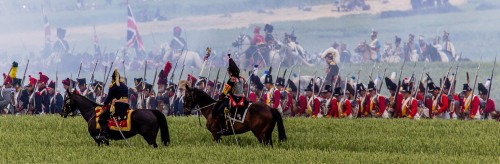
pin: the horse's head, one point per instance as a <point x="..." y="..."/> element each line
<point x="68" y="106"/>
<point x="189" y="100"/>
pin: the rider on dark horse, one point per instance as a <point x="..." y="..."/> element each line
<point x="116" y="102"/>
<point x="232" y="96"/>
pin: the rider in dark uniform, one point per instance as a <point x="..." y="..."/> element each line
<point x="232" y="94"/>
<point x="117" y="100"/>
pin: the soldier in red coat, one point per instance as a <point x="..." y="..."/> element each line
<point x="410" y="104"/>
<point x="289" y="101"/>
<point x="396" y="101"/>
<point x="362" y="100"/>
<point x="487" y="106"/>
<point x="470" y="104"/>
<point x="439" y="102"/>
<point x="272" y="97"/>
<point x="376" y="104"/>
<point x="331" y="103"/>
<point x="313" y="102"/>
<point x="347" y="101"/>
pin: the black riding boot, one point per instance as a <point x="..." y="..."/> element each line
<point x="222" y="119"/>
<point x="104" y="134"/>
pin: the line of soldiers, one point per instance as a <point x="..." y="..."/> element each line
<point x="348" y="98"/>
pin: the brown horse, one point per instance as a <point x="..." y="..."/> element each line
<point x="364" y="50"/>
<point x="144" y="121"/>
<point x="260" y="118"/>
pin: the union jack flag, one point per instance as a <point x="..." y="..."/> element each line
<point x="133" y="37"/>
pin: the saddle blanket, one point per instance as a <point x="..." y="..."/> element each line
<point x="124" y="123"/>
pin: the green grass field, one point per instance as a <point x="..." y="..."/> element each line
<point x="39" y="139"/>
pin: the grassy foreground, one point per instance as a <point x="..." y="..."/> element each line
<point x="41" y="140"/>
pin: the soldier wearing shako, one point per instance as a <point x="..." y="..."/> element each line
<point x="313" y="102"/>
<point x="328" y="102"/>
<point x="232" y="95"/>
<point x="470" y="104"/>
<point x="56" y="99"/>
<point x="347" y="101"/>
<point x="85" y="92"/>
<point x="362" y="100"/>
<point x="487" y="106"/>
<point x="69" y="85"/>
<point x="410" y="104"/>
<point x="377" y="107"/>
<point x="272" y="97"/>
<point x="25" y="101"/>
<point x="116" y="102"/>
<point x="439" y="101"/>
<point x="42" y="99"/>
<point x="395" y="98"/>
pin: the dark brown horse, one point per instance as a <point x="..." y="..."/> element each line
<point x="144" y="121"/>
<point x="260" y="118"/>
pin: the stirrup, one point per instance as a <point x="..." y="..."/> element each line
<point x="223" y="132"/>
<point x="101" y="137"/>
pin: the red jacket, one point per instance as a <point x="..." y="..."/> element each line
<point x="365" y="110"/>
<point x="490" y="106"/>
<point x="334" y="108"/>
<point x="398" y="105"/>
<point x="289" y="104"/>
<point x="347" y="108"/>
<point x="315" y="107"/>
<point x="258" y="39"/>
<point x="442" y="106"/>
<point x="252" y="97"/>
<point x="378" y="105"/>
<point x="275" y="99"/>
<point x="473" y="106"/>
<point x="302" y="105"/>
<point x="410" y="108"/>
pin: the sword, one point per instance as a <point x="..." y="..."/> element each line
<point x="120" y="130"/>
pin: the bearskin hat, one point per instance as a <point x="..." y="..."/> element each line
<point x="292" y="86"/>
<point x="268" y="28"/>
<point x="349" y="89"/>
<point x="390" y="85"/>
<point x="280" y="81"/>
<point x="256" y="81"/>
<point x="447" y="83"/>
<point x="233" y="68"/>
<point x="360" y="87"/>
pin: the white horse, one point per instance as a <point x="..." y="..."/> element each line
<point x="192" y="58"/>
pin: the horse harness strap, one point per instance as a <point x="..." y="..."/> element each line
<point x="199" y="109"/>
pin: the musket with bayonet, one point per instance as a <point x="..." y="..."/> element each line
<point x="356" y="105"/>
<point x="298" y="86"/>
<point x="215" y="83"/>
<point x="491" y="78"/>
<point x="205" y="60"/>
<point x="396" y="93"/>
<point x="79" y="70"/>
<point x="24" y="74"/>
<point x="437" y="99"/>
<point x="382" y="82"/>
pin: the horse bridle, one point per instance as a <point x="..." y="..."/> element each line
<point x="191" y="96"/>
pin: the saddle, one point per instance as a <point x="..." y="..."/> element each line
<point x="124" y="122"/>
<point x="238" y="107"/>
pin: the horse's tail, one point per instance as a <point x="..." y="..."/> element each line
<point x="162" y="121"/>
<point x="279" y="120"/>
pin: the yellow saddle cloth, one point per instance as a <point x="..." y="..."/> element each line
<point x="125" y="123"/>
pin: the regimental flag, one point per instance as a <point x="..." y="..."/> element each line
<point x="133" y="37"/>
<point x="46" y="26"/>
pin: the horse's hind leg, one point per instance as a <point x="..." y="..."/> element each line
<point x="259" y="136"/>
<point x="151" y="139"/>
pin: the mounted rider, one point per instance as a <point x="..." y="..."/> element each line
<point x="232" y="96"/>
<point x="177" y="44"/>
<point x="448" y="46"/>
<point x="331" y="57"/>
<point x="375" y="46"/>
<point x="116" y="102"/>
